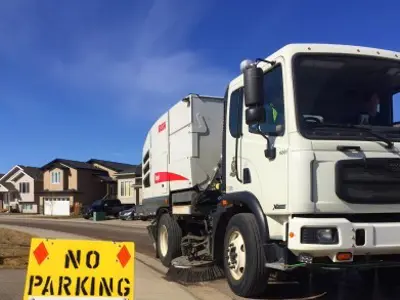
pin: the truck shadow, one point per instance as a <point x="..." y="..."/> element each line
<point x="335" y="287"/>
<point x="332" y="287"/>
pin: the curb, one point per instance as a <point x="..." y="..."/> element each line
<point x="151" y="263"/>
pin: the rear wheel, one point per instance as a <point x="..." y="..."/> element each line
<point x="244" y="258"/>
<point x="169" y="236"/>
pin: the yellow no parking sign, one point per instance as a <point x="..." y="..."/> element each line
<point x="80" y="269"/>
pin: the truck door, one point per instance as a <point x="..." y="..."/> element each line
<point x="265" y="178"/>
<point x="159" y="157"/>
<point x="234" y="130"/>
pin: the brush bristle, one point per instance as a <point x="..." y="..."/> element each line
<point x="194" y="274"/>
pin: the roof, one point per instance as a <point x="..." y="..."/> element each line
<point x="115" y="166"/>
<point x="105" y="178"/>
<point x="70" y="163"/>
<point x="8" y="186"/>
<point x="35" y="173"/>
<point x="137" y="170"/>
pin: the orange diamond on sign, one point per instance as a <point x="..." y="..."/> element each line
<point x="123" y="256"/>
<point x="40" y="253"/>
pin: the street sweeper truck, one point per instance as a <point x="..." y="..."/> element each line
<point x="296" y="167"/>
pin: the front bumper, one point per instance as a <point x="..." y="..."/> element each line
<point x="379" y="238"/>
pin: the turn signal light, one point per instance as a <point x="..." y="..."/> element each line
<point x="344" y="256"/>
<point x="224" y="203"/>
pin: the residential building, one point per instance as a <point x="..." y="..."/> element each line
<point x="113" y="169"/>
<point x="20" y="189"/>
<point x="1" y="194"/>
<point x="69" y="185"/>
<point x="130" y="185"/>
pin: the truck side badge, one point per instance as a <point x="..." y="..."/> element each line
<point x="279" y="206"/>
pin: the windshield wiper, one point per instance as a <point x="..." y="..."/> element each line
<point x="389" y="143"/>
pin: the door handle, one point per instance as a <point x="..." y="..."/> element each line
<point x="344" y="148"/>
<point x="246" y="176"/>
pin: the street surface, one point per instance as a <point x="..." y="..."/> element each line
<point x="89" y="228"/>
<point x="118" y="231"/>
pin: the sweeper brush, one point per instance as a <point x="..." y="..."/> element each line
<point x="186" y="272"/>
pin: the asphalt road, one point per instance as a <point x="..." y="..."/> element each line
<point x="351" y="288"/>
<point x="112" y="233"/>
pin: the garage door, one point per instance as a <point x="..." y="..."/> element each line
<point x="56" y="206"/>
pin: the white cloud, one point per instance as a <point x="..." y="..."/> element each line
<point x="141" y="65"/>
<point x="159" y="69"/>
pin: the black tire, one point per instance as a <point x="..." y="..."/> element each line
<point x="254" y="280"/>
<point x="174" y="239"/>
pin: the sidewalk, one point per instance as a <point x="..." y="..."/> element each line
<point x="149" y="284"/>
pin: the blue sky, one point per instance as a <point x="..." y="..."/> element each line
<point x="86" y="79"/>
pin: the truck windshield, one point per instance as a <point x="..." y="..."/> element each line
<point x="346" y="90"/>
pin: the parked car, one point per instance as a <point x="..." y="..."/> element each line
<point x="141" y="213"/>
<point x="111" y="207"/>
<point x="127" y="206"/>
<point x="136" y="212"/>
<point x="128" y="214"/>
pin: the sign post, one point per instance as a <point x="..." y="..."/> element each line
<point x="80" y="269"/>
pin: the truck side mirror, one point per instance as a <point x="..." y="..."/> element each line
<point x="253" y="86"/>
<point x="255" y="115"/>
<point x="254" y="94"/>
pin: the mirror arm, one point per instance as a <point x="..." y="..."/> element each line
<point x="272" y="63"/>
<point x="270" y="152"/>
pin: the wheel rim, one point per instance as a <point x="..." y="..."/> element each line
<point x="236" y="255"/>
<point x="163" y="240"/>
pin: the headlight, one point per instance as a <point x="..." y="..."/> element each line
<point x="325" y="235"/>
<point x="312" y="235"/>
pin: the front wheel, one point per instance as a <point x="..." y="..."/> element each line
<point x="169" y="236"/>
<point x="244" y="260"/>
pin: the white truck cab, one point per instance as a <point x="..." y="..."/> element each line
<point x="334" y="176"/>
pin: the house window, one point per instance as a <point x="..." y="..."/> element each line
<point x="126" y="189"/>
<point x="24" y="187"/>
<point x="27" y="206"/>
<point x="56" y="177"/>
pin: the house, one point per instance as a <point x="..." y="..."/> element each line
<point x="20" y="189"/>
<point x="114" y="169"/>
<point x="69" y="185"/>
<point x="1" y="194"/>
<point x="130" y="185"/>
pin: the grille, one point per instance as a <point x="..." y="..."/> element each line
<point x="373" y="181"/>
